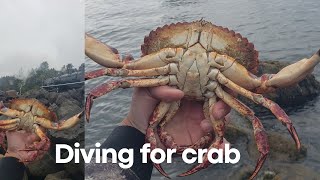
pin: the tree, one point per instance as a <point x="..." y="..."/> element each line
<point x="44" y="66"/>
<point x="70" y="68"/>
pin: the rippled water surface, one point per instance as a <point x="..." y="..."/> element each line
<point x="280" y="30"/>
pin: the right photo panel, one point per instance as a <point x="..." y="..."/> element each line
<point x="202" y="90"/>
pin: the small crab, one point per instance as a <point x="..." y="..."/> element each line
<point x="32" y="116"/>
<point x="200" y="59"/>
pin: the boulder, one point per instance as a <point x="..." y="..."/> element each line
<point x="61" y="175"/>
<point x="282" y="162"/>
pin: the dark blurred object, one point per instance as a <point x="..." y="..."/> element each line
<point x="6" y="96"/>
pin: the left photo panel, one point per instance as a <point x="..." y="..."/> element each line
<point x="41" y="89"/>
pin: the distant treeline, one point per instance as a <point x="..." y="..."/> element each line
<point x="35" y="78"/>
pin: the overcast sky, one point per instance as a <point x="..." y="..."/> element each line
<point x="32" y="31"/>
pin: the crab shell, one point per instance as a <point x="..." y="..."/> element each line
<point x="34" y="106"/>
<point x="186" y="34"/>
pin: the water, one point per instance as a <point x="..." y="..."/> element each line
<point x="280" y="30"/>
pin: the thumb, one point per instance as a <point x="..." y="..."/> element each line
<point x="166" y="93"/>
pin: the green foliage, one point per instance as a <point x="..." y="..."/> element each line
<point x="35" y="78"/>
<point x="38" y="75"/>
<point x="9" y="83"/>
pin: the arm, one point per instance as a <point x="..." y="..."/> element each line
<point x="12" y="165"/>
<point x="11" y="168"/>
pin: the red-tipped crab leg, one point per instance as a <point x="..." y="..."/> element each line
<point x="168" y="69"/>
<point x="259" y="132"/>
<point x="109" y="86"/>
<point x="259" y="99"/>
<point x="158" y="114"/>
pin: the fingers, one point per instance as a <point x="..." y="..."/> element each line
<point x="166" y="93"/>
<point x="206" y="126"/>
<point x="220" y="110"/>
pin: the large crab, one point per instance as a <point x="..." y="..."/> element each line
<point x="200" y="59"/>
<point x="32" y="116"/>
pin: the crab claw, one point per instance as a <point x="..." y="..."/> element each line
<point x="160" y="169"/>
<point x="101" y="53"/>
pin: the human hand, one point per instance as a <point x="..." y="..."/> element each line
<point x="17" y="143"/>
<point x="186" y="127"/>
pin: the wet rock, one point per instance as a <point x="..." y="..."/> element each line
<point x="38" y="94"/>
<point x="52" y="96"/>
<point x="76" y="170"/>
<point x="291" y="96"/>
<point x="278" y="171"/>
<point x="282" y="148"/>
<point x="62" y="175"/>
<point x="282" y="155"/>
<point x="69" y="136"/>
<point x="44" y="166"/>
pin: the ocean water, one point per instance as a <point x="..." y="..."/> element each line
<point x="280" y="30"/>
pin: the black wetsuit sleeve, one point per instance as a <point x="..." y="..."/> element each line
<point x="129" y="137"/>
<point x="11" y="169"/>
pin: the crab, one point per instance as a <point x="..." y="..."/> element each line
<point x="201" y="59"/>
<point x="32" y="116"/>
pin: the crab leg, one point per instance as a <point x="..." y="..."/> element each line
<point x="288" y="76"/>
<point x="168" y="69"/>
<point x="259" y="132"/>
<point x="61" y="125"/>
<point x="219" y="130"/>
<point x="109" y="86"/>
<point x="9" y="112"/>
<point x="9" y="121"/>
<point x="44" y="143"/>
<point x="8" y="127"/>
<point x="158" y="114"/>
<point x="158" y="59"/>
<point x="259" y="99"/>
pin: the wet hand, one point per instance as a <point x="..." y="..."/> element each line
<point x="17" y="143"/>
<point x="186" y="127"/>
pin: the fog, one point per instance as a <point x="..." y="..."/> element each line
<point x="40" y="30"/>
